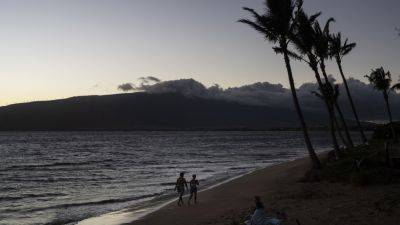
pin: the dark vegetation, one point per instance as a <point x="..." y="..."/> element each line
<point x="373" y="164"/>
<point x="298" y="35"/>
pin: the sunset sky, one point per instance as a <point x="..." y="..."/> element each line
<point x="54" y="49"/>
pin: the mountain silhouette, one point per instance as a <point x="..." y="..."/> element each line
<point x="145" y="111"/>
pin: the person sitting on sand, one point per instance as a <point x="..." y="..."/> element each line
<point x="260" y="217"/>
<point x="193" y="189"/>
<point x="180" y="187"/>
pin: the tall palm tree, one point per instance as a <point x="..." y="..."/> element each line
<point x="304" y="39"/>
<point x="276" y="25"/>
<point x="322" y="36"/>
<point x="338" y="50"/>
<point x="381" y="80"/>
<point x="327" y="94"/>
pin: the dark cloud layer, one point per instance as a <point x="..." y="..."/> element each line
<point x="368" y="101"/>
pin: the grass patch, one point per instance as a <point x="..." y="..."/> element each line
<point x="363" y="165"/>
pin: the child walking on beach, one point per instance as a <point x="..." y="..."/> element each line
<point x="193" y="189"/>
<point x="180" y="187"/>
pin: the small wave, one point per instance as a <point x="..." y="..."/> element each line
<point x="207" y="171"/>
<point x="101" y="202"/>
<point x="58" y="179"/>
<point x="150" y="162"/>
<point x="168" y="184"/>
<point x="240" y="168"/>
<point x="52" y="165"/>
<point x="44" y="195"/>
<point x="3" y="189"/>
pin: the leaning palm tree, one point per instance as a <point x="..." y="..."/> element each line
<point x="338" y="50"/>
<point x="322" y="44"/>
<point x="304" y="39"/>
<point x="348" y="142"/>
<point x="335" y="121"/>
<point x="381" y="80"/>
<point x="322" y="36"/>
<point x="327" y="94"/>
<point x="276" y="25"/>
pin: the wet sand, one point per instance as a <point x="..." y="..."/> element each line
<point x="281" y="191"/>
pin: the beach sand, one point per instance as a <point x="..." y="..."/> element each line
<point x="281" y="191"/>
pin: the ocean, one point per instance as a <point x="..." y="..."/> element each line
<point x="66" y="177"/>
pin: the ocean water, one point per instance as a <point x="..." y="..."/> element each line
<point x="66" y="177"/>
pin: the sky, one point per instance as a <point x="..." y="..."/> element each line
<point x="52" y="49"/>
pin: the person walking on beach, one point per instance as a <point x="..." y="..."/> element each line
<point x="180" y="187"/>
<point x="193" y="189"/>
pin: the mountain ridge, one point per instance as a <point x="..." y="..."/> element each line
<point x="145" y="111"/>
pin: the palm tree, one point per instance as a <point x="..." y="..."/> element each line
<point x="349" y="142"/>
<point x="322" y="44"/>
<point x="327" y="94"/>
<point x="305" y="39"/>
<point x="381" y="80"/>
<point x="338" y="50"/>
<point x="277" y="25"/>
<point x="322" y="37"/>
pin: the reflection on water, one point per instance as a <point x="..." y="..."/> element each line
<point x="64" y="177"/>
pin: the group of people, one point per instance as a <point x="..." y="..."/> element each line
<point x="259" y="217"/>
<point x="180" y="186"/>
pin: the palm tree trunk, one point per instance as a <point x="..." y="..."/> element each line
<point x="353" y="108"/>
<point x="314" y="158"/>
<point x="333" y="133"/>
<point x="346" y="129"/>
<point x="329" y="107"/>
<point x="342" y="120"/>
<point x="339" y="132"/>
<point x="322" y="65"/>
<point x="385" y="95"/>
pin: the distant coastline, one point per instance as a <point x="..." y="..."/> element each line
<point x="152" y="112"/>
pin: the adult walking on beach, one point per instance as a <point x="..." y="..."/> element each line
<point x="193" y="189"/>
<point x="180" y="187"/>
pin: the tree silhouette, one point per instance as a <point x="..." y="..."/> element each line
<point x="277" y="25"/>
<point x="338" y="50"/>
<point x="381" y="80"/>
<point x="305" y="38"/>
<point x="328" y="94"/>
<point x="322" y="36"/>
<point x="344" y="124"/>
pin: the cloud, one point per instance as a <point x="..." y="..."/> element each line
<point x="149" y="79"/>
<point x="187" y="87"/>
<point x="144" y="83"/>
<point x="369" y="102"/>
<point x="126" y="87"/>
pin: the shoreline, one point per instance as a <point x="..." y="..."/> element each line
<point x="141" y="215"/>
<point x="135" y="213"/>
<point x="223" y="198"/>
<point x="231" y="201"/>
<point x="281" y="191"/>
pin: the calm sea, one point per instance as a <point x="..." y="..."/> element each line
<point x="65" y="177"/>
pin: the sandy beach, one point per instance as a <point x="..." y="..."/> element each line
<point x="280" y="189"/>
